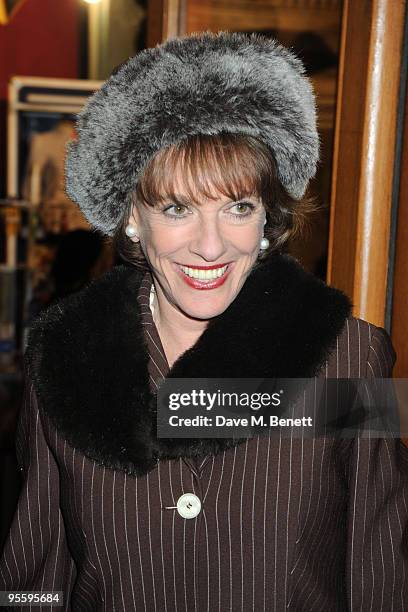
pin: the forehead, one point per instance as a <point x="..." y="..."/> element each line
<point x="185" y="189"/>
<point x="179" y="179"/>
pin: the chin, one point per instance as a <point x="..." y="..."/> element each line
<point x="204" y="313"/>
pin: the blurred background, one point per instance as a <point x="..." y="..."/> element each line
<point x="56" y="53"/>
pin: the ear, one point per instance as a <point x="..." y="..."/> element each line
<point x="134" y="218"/>
<point x="133" y="222"/>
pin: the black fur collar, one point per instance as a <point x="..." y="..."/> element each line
<point x="88" y="361"/>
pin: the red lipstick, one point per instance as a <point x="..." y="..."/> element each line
<point x="203" y="285"/>
<point x="214" y="267"/>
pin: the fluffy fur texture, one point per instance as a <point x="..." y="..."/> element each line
<point x="88" y="361"/>
<point x="201" y="84"/>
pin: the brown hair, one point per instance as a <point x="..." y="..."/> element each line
<point x="233" y="165"/>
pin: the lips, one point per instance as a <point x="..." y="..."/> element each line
<point x="202" y="274"/>
<point x="186" y="273"/>
<point x="215" y="266"/>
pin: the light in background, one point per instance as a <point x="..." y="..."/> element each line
<point x="98" y="36"/>
<point x="8" y="9"/>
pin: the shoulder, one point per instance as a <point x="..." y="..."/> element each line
<point x="81" y="324"/>
<point x="87" y="362"/>
<point x="362" y="349"/>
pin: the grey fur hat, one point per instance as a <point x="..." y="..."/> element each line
<point x="201" y="84"/>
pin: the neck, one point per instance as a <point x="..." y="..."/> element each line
<point x="177" y="332"/>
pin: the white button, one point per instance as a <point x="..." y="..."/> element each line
<point x="188" y="505"/>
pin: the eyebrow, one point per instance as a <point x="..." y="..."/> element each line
<point x="182" y="200"/>
<point x="176" y="199"/>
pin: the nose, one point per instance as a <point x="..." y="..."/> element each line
<point x="208" y="242"/>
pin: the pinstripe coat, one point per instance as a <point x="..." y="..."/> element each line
<point x="285" y="524"/>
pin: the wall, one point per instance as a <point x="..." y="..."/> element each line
<point x="42" y="39"/>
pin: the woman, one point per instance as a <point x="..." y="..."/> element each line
<point x="195" y="156"/>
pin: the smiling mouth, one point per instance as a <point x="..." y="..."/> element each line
<point x="204" y="275"/>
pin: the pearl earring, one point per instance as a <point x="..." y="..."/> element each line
<point x="264" y="244"/>
<point x="130" y="231"/>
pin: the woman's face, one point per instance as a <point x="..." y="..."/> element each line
<point x="200" y="255"/>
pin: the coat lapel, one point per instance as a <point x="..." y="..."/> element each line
<point x="88" y="360"/>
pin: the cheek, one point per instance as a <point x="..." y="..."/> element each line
<point x="161" y="239"/>
<point x="247" y="239"/>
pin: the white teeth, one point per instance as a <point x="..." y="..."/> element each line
<point x="204" y="274"/>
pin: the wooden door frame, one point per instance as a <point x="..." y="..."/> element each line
<point x="399" y="313"/>
<point x="365" y="154"/>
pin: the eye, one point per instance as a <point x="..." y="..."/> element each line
<point x="175" y="210"/>
<point x="243" y="209"/>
